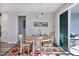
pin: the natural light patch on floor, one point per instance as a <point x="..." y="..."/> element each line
<point x="75" y="50"/>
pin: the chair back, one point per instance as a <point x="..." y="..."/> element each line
<point x="52" y="38"/>
<point x="20" y="38"/>
<point x="37" y="43"/>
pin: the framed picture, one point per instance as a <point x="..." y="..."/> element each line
<point x="40" y="24"/>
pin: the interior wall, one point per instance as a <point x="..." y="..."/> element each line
<point x="9" y="25"/>
<point x="31" y="30"/>
<point x="75" y="23"/>
<point x="9" y="29"/>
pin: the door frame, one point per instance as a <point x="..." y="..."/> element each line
<point x="24" y="26"/>
<point x="18" y="26"/>
<point x="69" y="20"/>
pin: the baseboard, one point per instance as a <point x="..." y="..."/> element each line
<point x="10" y="42"/>
<point x="3" y="41"/>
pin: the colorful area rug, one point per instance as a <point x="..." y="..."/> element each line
<point x="15" y="51"/>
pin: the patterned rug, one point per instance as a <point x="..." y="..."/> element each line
<point x="15" y="51"/>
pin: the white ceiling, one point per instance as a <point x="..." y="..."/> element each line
<point x="75" y="9"/>
<point x="29" y="7"/>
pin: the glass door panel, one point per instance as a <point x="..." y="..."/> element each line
<point x="64" y="30"/>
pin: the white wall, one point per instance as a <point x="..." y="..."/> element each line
<point x="9" y="29"/>
<point x="58" y="12"/>
<point x="30" y="29"/>
<point x="9" y="25"/>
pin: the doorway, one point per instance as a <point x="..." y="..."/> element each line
<point x="64" y="30"/>
<point x="22" y="25"/>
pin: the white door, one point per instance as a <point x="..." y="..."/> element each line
<point x="22" y="25"/>
<point x="0" y="27"/>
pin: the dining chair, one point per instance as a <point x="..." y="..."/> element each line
<point x="37" y="44"/>
<point x="23" y="44"/>
<point x="52" y="37"/>
<point x="48" y="44"/>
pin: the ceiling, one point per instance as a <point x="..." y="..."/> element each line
<point x="29" y="7"/>
<point x="75" y="9"/>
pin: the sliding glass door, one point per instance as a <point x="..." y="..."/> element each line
<point x="64" y="30"/>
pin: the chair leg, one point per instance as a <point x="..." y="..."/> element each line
<point x="23" y="49"/>
<point x="28" y="49"/>
<point x="20" y="49"/>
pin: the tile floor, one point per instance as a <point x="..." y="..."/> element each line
<point x="4" y="47"/>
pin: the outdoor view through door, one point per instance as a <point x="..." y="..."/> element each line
<point x="22" y="24"/>
<point x="64" y="30"/>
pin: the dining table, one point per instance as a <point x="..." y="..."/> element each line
<point x="34" y="38"/>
